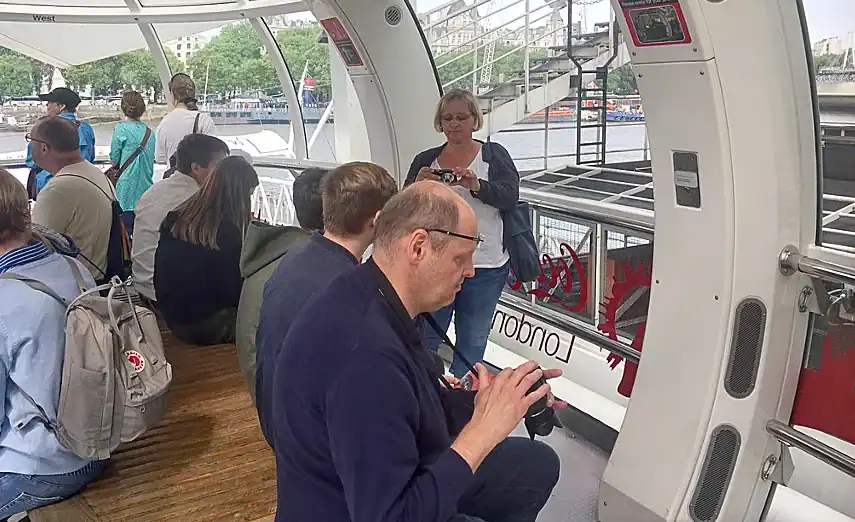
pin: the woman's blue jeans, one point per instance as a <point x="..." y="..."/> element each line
<point x="473" y="310"/>
<point x="19" y="493"/>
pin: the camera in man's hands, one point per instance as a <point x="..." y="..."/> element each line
<point x="540" y="417"/>
<point x="445" y="175"/>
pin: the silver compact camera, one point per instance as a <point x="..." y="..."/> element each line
<point x="445" y="175"/>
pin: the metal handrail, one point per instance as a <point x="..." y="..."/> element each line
<point x="488" y="15"/>
<point x="455" y="14"/>
<point x="792" y="261"/>
<point x="572" y="326"/>
<point x="789" y="436"/>
<point x="627" y="218"/>
<point x="512" y="51"/>
<point x="482" y="35"/>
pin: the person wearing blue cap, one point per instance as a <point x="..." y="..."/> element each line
<point x="61" y="102"/>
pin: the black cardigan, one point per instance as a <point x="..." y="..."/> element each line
<point x="501" y="189"/>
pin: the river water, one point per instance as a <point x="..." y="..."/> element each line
<point x="522" y="141"/>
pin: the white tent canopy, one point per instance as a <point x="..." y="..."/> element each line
<point x="62" y="34"/>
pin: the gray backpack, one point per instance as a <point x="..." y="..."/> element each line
<point x="115" y="376"/>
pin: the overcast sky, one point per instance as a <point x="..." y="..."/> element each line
<point x="825" y="17"/>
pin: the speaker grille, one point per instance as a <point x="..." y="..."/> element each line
<point x="745" y="348"/>
<point x="393" y="15"/>
<point x="715" y="475"/>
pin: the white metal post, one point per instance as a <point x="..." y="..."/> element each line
<point x="526" y="55"/>
<point x="298" y="126"/>
<point x="156" y="49"/>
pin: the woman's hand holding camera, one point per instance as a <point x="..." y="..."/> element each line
<point x="427" y="173"/>
<point x="467" y="179"/>
<point x="500" y="405"/>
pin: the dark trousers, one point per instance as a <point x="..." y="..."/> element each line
<point x="217" y="329"/>
<point x="512" y="484"/>
<point x="128" y="219"/>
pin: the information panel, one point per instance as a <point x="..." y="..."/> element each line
<point x="655" y="22"/>
<point x="342" y="41"/>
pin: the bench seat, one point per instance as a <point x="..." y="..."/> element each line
<point x="206" y="462"/>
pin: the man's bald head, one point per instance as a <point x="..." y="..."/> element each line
<point x="423" y="205"/>
<point x="425" y="237"/>
<point x="60" y="134"/>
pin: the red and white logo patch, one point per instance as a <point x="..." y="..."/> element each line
<point x="136" y="360"/>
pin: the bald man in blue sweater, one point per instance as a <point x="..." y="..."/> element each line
<point x="360" y="426"/>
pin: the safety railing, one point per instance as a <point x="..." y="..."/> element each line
<point x="835" y="307"/>
<point x="589" y="255"/>
<point x="466" y="34"/>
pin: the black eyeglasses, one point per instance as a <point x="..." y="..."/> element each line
<point x="28" y="138"/>
<point x="477" y="239"/>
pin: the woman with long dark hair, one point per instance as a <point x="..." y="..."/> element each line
<point x="197" y="264"/>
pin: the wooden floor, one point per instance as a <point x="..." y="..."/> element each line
<point x="206" y="462"/>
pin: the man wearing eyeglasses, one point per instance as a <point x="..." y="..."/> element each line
<point x="78" y="202"/>
<point x="61" y="102"/>
<point x="361" y="427"/>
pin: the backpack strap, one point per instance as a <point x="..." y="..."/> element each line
<point x="196" y="123"/>
<point x="35" y="285"/>
<point x="45" y="289"/>
<point x="111" y="198"/>
<point x="136" y="152"/>
<point x="75" y="271"/>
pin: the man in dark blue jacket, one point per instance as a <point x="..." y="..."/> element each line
<point x="359" y="424"/>
<point x="353" y="194"/>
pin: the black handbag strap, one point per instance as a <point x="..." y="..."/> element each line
<point x="136" y="152"/>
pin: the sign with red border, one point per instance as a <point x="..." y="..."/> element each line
<point x="338" y="35"/>
<point x="654" y="23"/>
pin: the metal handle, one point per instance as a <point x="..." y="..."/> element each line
<point x="789" y="436"/>
<point x="791" y="261"/>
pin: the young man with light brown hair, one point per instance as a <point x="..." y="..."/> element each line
<point x="353" y="195"/>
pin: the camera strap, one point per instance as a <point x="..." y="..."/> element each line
<point x="412" y="336"/>
<point x="444" y="336"/>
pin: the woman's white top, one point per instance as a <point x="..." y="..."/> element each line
<point x="490" y="253"/>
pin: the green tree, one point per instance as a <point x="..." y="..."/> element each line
<point x="42" y="74"/>
<point x="299" y="45"/>
<point x="233" y="61"/>
<point x="458" y="71"/>
<point x="621" y="80"/>
<point x="826" y="61"/>
<point x="104" y="76"/>
<point x="139" y="72"/>
<point x="15" y="76"/>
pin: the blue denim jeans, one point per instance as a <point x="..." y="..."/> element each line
<point x="473" y="309"/>
<point x="19" y="493"/>
<point x="512" y="484"/>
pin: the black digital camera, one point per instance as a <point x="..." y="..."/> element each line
<point x="445" y="175"/>
<point x="540" y="418"/>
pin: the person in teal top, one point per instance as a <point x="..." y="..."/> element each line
<point x="127" y="138"/>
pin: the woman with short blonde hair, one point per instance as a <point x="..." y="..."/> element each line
<point x="485" y="176"/>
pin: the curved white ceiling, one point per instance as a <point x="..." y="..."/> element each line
<point x="49" y="39"/>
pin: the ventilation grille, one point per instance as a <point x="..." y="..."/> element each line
<point x="393" y="15"/>
<point x="745" y="348"/>
<point x="715" y="475"/>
